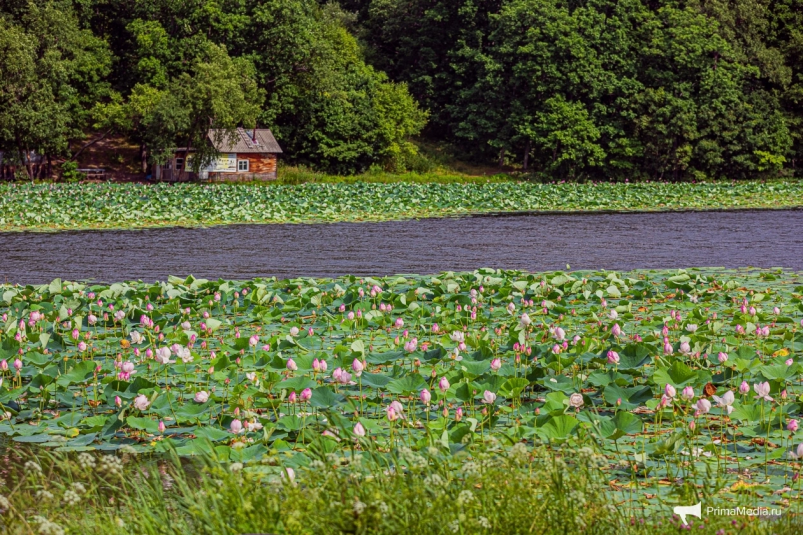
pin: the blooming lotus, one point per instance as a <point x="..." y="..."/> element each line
<point x="162" y="355"/>
<point x="576" y="401"/>
<point x="703" y="405"/>
<point x="726" y="401"/>
<point x="762" y="391"/>
<point x="457" y="336"/>
<point x="357" y="367"/>
<point x="141" y="402"/>
<point x="488" y="397"/>
<point x="670" y="391"/>
<point x="359" y="430"/>
<point x="136" y="337"/>
<point x="201" y="396"/>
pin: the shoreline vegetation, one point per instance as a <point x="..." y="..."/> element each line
<point x="305" y="197"/>
<point x="402" y="403"/>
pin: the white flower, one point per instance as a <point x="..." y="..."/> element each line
<point x="141" y="402"/>
<point x="525" y="320"/>
<point x="163" y="355"/>
<point x="726" y="401"/>
<point x="458" y="337"/>
<point x="186" y="326"/>
<point x="136" y="337"/>
<point x="576" y="400"/>
<point x="691" y="327"/>
<point x="184" y="354"/>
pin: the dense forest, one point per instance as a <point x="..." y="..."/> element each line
<point x="577" y="89"/>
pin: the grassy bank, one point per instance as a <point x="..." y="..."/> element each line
<point x="684" y="385"/>
<point x="495" y="491"/>
<point x="44" y="207"/>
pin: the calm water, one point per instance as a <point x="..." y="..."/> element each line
<point x="527" y="242"/>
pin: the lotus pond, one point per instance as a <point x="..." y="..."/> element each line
<point x="80" y="206"/>
<point x="688" y="382"/>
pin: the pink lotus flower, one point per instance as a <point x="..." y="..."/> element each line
<point x="762" y="391"/>
<point x="668" y="348"/>
<point x="236" y="426"/>
<point x="357" y="367"/>
<point x="141" y="402"/>
<point x="425" y="397"/>
<point x="488" y="397"/>
<point x="201" y="396"/>
<point x="670" y="391"/>
<point x="726" y="401"/>
<point x="613" y="357"/>
<point x="117" y="401"/>
<point x="688" y="393"/>
<point x="744" y="388"/>
<point x="161" y="426"/>
<point x="443" y="384"/>
<point x="291" y="365"/>
<point x="17" y="364"/>
<point x="616" y="330"/>
<point x="399" y="323"/>
<point x="306" y="394"/>
<point x="722" y="357"/>
<point x="792" y="426"/>
<point x="292" y="398"/>
<point x="703" y="405"/>
<point x="496" y="364"/>
<point x="359" y="430"/>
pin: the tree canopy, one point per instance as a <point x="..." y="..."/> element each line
<point x="566" y="89"/>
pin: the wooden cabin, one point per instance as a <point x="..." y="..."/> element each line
<point x="249" y="155"/>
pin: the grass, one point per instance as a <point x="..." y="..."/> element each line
<point x="497" y="490"/>
<point x="321" y="199"/>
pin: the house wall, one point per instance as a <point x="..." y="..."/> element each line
<point x="260" y="167"/>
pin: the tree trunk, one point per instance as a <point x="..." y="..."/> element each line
<point x="502" y="157"/>
<point x="527" y="148"/>
<point x="143" y="156"/>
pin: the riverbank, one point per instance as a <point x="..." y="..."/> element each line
<point x="53" y="207"/>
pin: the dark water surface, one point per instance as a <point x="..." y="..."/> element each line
<point x="527" y="242"/>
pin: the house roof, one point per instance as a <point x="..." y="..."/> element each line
<point x="243" y="142"/>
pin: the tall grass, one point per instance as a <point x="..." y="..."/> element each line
<point x="497" y="491"/>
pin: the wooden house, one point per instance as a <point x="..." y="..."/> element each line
<point x="249" y="155"/>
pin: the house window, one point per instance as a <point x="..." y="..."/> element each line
<point x="179" y="164"/>
<point x="242" y="165"/>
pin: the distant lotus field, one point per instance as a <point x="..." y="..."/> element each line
<point x="104" y="206"/>
<point x="683" y="379"/>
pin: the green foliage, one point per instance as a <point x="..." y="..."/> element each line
<point x="602" y="89"/>
<point x="566" y="428"/>
<point x="304" y="196"/>
<point x="51" y="73"/>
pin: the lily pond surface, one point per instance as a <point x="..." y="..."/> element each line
<point x="526" y="242"/>
<point x="681" y="379"/>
